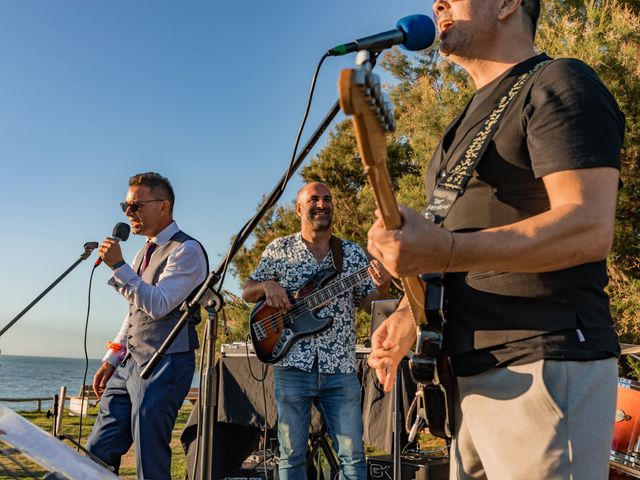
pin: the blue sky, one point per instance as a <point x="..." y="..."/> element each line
<point x="210" y="94"/>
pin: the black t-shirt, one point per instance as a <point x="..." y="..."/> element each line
<point x="564" y="118"/>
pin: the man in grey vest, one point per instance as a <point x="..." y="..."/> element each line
<point x="163" y="274"/>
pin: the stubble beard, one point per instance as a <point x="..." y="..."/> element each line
<point x="456" y="43"/>
<point x="320" y="224"/>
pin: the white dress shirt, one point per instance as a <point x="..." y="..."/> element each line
<point x="186" y="268"/>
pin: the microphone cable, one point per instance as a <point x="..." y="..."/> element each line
<point x="86" y="359"/>
<point x="287" y="176"/>
<point x="265" y="370"/>
<point x="304" y="122"/>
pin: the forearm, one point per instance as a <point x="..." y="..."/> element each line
<point x="576" y="229"/>
<point x="560" y="238"/>
<point x="253" y="291"/>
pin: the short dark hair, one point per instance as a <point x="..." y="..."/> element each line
<point x="531" y="14"/>
<point x="158" y="184"/>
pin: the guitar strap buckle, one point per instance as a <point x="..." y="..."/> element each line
<point x="440" y="203"/>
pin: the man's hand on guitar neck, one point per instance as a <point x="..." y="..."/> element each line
<point x="417" y="247"/>
<point x="382" y="280"/>
<point x="390" y="342"/>
<point x="380" y="276"/>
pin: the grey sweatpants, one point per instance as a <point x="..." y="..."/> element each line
<point x="544" y="420"/>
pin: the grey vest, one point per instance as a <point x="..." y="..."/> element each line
<point x="145" y="333"/>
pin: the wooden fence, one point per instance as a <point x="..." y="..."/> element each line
<point x="38" y="401"/>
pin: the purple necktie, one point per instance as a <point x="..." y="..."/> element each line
<point x="147" y="256"/>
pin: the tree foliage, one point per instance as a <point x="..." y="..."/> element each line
<point x="606" y="35"/>
<point x="428" y="92"/>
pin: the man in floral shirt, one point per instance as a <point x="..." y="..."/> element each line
<point x="318" y="368"/>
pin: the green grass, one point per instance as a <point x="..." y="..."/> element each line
<point x="70" y="426"/>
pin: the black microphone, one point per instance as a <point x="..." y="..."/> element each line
<point x="414" y="32"/>
<point x="120" y="234"/>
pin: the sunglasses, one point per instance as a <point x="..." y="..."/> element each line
<point x="135" y="206"/>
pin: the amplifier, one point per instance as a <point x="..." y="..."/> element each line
<point x="414" y="467"/>
<point x="237" y="349"/>
<point x="362" y="352"/>
<point x="255" y="468"/>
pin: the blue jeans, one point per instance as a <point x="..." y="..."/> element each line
<point x="133" y="410"/>
<point x="337" y="397"/>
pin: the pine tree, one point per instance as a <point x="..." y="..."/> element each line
<point x="428" y="92"/>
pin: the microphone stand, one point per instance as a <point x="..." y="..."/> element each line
<point x="211" y="299"/>
<point x="397" y="425"/>
<point x="88" y="248"/>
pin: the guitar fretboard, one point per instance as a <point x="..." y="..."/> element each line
<point x="334" y="289"/>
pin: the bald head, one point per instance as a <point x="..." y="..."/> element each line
<point x="314" y="206"/>
<point x="311" y="187"/>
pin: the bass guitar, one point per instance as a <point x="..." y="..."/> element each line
<point x="274" y="331"/>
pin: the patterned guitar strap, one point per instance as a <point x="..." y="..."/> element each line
<point x="451" y="185"/>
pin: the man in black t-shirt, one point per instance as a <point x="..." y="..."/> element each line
<point x="528" y="335"/>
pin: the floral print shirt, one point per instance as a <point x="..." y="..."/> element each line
<point x="288" y="261"/>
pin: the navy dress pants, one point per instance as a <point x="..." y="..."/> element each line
<point x="133" y="410"/>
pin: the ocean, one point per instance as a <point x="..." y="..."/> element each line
<point x="31" y="377"/>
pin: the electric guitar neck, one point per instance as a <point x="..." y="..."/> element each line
<point x="362" y="97"/>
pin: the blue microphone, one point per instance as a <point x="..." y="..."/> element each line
<point x="414" y="32"/>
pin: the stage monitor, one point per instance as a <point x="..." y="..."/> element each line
<point x="380" y="310"/>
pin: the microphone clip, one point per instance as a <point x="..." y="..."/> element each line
<point x="88" y="248"/>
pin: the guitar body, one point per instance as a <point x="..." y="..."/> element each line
<point x="274" y="332"/>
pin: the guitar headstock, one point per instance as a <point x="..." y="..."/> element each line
<point x="361" y="95"/>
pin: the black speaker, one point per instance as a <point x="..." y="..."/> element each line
<point x="414" y="467"/>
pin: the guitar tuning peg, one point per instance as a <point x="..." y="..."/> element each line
<point x="379" y="104"/>
<point x="361" y="77"/>
<point x="369" y="92"/>
<point x="384" y="108"/>
<point x="373" y="80"/>
<point x="390" y="111"/>
<point x="374" y="85"/>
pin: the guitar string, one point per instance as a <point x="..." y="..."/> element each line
<point x="272" y="320"/>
